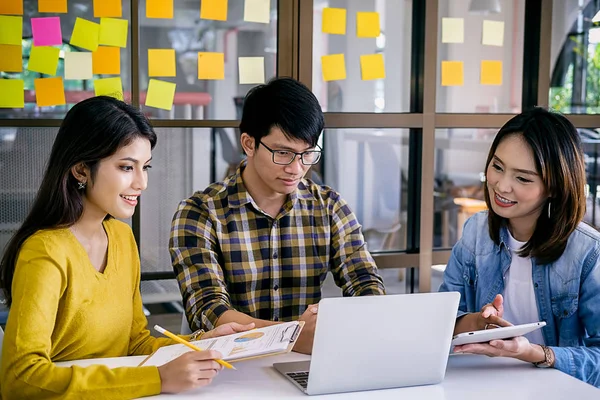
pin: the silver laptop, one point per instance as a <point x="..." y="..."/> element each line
<point x="377" y="342"/>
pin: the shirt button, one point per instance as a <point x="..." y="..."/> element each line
<point x="275" y="319"/>
<point x="275" y="256"/>
<point x="276" y="287"/>
<point x="535" y="285"/>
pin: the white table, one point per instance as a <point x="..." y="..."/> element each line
<point x="467" y="377"/>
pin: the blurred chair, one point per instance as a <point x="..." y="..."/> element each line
<point x="230" y="152"/>
<point x="467" y="207"/>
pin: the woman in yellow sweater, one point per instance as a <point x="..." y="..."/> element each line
<point x="71" y="274"/>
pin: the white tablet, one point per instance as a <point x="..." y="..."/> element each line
<point x="505" y="332"/>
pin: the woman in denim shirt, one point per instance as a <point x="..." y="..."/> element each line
<point x="530" y="257"/>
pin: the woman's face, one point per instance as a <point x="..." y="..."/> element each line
<point x="515" y="188"/>
<point x="119" y="181"/>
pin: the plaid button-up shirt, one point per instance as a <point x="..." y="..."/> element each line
<point x="228" y="254"/>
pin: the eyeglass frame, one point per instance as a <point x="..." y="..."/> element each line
<point x="301" y="154"/>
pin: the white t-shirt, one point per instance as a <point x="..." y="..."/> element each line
<point x="520" y="306"/>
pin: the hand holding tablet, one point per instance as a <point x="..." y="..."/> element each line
<point x="504" y="332"/>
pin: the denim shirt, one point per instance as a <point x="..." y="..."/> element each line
<point x="567" y="291"/>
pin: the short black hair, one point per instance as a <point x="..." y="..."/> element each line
<point x="286" y="104"/>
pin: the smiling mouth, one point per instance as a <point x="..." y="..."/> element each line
<point x="129" y="198"/>
<point x="503" y="200"/>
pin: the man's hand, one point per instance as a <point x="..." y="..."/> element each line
<point x="227" y="329"/>
<point x="304" y="343"/>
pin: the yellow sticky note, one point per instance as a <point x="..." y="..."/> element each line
<point x="106" y="60"/>
<point x="11" y="60"/>
<point x="334" y="67"/>
<point x="43" y="59"/>
<point x="252" y="70"/>
<point x="257" y="11"/>
<point x="372" y="67"/>
<point x="211" y="65"/>
<point x="13" y="7"/>
<point x="12" y="93"/>
<point x="491" y="72"/>
<point x="493" y="33"/>
<point x="334" y="21"/>
<point x="49" y="92"/>
<point x="85" y="34"/>
<point x="452" y="73"/>
<point x="161" y="62"/>
<point x="367" y="24"/>
<point x="112" y="87"/>
<point x="159" y="9"/>
<point x="108" y="8"/>
<point x="160" y="94"/>
<point x="453" y="30"/>
<point x="113" y="32"/>
<point x="11" y="30"/>
<point x="213" y="9"/>
<point x="52" y="6"/>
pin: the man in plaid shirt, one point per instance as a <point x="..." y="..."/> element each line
<point x="257" y="247"/>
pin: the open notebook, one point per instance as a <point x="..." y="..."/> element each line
<point x="270" y="340"/>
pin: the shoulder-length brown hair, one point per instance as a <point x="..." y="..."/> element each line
<point x="559" y="161"/>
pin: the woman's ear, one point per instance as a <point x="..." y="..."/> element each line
<point x="81" y="172"/>
<point x="248" y="144"/>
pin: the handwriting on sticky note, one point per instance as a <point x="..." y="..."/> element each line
<point x="12" y="93"/>
<point x="334" y="21"/>
<point x="252" y="70"/>
<point x="367" y="24"/>
<point x="43" y="59"/>
<point x="46" y="31"/>
<point x="453" y="30"/>
<point x="491" y="72"/>
<point x="11" y="7"/>
<point x="257" y="11"/>
<point x="493" y="33"/>
<point x="52" y="6"/>
<point x="49" y="92"/>
<point x="113" y="32"/>
<point x="372" y="67"/>
<point x="12" y="59"/>
<point x="159" y="9"/>
<point x="213" y="9"/>
<point x="452" y="73"/>
<point x="106" y="61"/>
<point x="161" y="62"/>
<point x="85" y="34"/>
<point x="78" y="65"/>
<point x="11" y="29"/>
<point x="112" y="87"/>
<point x="211" y="65"/>
<point x="333" y="67"/>
<point x="108" y="8"/>
<point x="161" y="94"/>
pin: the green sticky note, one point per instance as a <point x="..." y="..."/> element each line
<point x="112" y="87"/>
<point x="11" y="29"/>
<point x="160" y="94"/>
<point x="113" y="32"/>
<point x="85" y="34"/>
<point x="43" y="59"/>
<point x="12" y="93"/>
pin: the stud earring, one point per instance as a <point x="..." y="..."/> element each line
<point x="80" y="185"/>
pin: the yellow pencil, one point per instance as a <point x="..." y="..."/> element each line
<point x="188" y="344"/>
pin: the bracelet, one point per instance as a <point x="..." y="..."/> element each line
<point x="548" y="358"/>
<point x="197" y="335"/>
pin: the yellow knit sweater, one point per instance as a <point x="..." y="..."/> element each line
<point x="64" y="309"/>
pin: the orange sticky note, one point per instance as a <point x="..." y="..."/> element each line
<point x="452" y="73"/>
<point x="112" y="87"/>
<point x="334" y="21"/>
<point x="52" y="6"/>
<point x="491" y="72"/>
<point x="372" y="67"/>
<point x="12" y="93"/>
<point x="159" y="9"/>
<point x="106" y="60"/>
<point x="43" y="59"/>
<point x="11" y="7"/>
<point x="49" y="92"/>
<point x="211" y="65"/>
<point x="213" y="9"/>
<point x="108" y="8"/>
<point x="367" y="24"/>
<point x="85" y="34"/>
<point x="11" y="29"/>
<point x="11" y="60"/>
<point x="334" y="67"/>
<point x="161" y="62"/>
<point x="160" y="94"/>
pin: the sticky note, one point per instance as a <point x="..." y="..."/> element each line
<point x="13" y="7"/>
<point x="11" y="29"/>
<point x="372" y="67"/>
<point x="213" y="9"/>
<point x="11" y="60"/>
<point x="367" y="24"/>
<point x="78" y="65"/>
<point x="452" y="73"/>
<point x="159" y="9"/>
<point x="491" y="72"/>
<point x="108" y="8"/>
<point x="252" y="70"/>
<point x="334" y="67"/>
<point x="106" y="60"/>
<point x="160" y="94"/>
<point x="161" y="62"/>
<point x="113" y="32"/>
<point x="85" y="34"/>
<point x="334" y="21"/>
<point x="211" y="65"/>
<point x="112" y="87"/>
<point x="257" y="11"/>
<point x="49" y="92"/>
<point x="453" y="30"/>
<point x="52" y="6"/>
<point x="493" y="33"/>
<point x="12" y="93"/>
<point x="46" y="31"/>
<point x="43" y="60"/>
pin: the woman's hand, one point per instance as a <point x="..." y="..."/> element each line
<point x="190" y="370"/>
<point x="490" y="316"/>
<point x="518" y="348"/>
<point x="227" y="329"/>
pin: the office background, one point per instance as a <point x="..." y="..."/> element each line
<point x="407" y="152"/>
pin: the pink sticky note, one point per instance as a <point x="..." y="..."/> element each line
<point x="46" y="31"/>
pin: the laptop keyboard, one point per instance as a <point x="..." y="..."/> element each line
<point x="301" y="378"/>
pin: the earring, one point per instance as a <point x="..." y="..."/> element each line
<point x="80" y="185"/>
<point x="549" y="205"/>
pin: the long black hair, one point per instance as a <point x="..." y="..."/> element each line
<point x="92" y="130"/>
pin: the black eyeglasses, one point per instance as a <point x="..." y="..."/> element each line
<point x="286" y="157"/>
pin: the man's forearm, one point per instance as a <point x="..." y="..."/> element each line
<point x="241" y="318"/>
